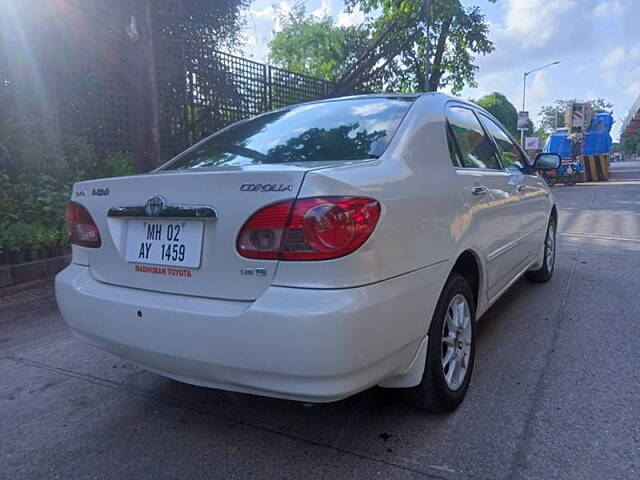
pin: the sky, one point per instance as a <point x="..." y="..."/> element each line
<point x="596" y="41"/>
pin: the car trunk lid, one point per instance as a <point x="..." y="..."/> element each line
<point x="191" y="248"/>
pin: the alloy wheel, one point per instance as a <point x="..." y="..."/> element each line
<point x="456" y="342"/>
<point x="550" y="246"/>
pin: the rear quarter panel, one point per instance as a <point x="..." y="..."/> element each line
<point x="415" y="183"/>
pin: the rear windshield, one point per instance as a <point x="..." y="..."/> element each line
<point x="354" y="129"/>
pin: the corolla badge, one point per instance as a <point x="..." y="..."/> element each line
<point x="266" y="187"/>
<point x="155" y="206"/>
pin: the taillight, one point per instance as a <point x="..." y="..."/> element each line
<point x="81" y="227"/>
<point x="318" y="228"/>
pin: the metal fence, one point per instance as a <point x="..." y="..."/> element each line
<point x="93" y="96"/>
<point x="198" y="93"/>
<point x="81" y="80"/>
<point x="204" y="91"/>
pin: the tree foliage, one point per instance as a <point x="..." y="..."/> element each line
<point x="386" y="52"/>
<point x="396" y="55"/>
<point x="630" y="145"/>
<point x="315" y="46"/>
<point x="552" y="116"/>
<point x="205" y="23"/>
<point x="501" y="108"/>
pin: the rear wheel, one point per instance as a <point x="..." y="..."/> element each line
<point x="450" y="351"/>
<point x="545" y="272"/>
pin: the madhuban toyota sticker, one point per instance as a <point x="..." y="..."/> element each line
<point x="169" y="271"/>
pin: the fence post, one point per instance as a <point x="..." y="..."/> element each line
<point x="269" y="89"/>
<point x="145" y="132"/>
<point x="187" y="100"/>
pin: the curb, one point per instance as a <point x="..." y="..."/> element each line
<point x="26" y="272"/>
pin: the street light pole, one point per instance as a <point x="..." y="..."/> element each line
<point x="524" y="92"/>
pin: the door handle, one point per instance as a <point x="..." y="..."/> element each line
<point x="521" y="188"/>
<point x="479" y="190"/>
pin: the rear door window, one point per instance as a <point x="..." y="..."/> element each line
<point x="475" y="148"/>
<point x="453" y="148"/>
<point x="511" y="157"/>
<point x="352" y="129"/>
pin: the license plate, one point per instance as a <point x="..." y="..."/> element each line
<point x="165" y="242"/>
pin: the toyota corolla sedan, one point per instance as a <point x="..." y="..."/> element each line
<point x="314" y="251"/>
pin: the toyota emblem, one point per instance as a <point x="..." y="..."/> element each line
<point x="155" y="206"/>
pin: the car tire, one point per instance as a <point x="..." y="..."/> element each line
<point x="438" y="392"/>
<point x="545" y="272"/>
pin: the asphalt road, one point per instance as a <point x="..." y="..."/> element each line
<point x="555" y="393"/>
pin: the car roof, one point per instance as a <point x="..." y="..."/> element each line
<point x="439" y="97"/>
<point x="383" y="95"/>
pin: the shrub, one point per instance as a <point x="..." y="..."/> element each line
<point x="116" y="165"/>
<point x="35" y="186"/>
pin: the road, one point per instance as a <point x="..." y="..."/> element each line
<point x="555" y="393"/>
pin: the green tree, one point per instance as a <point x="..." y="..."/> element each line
<point x="501" y="108"/>
<point x="315" y="46"/>
<point x="630" y="145"/>
<point x="200" y="23"/>
<point x="395" y="56"/>
<point x="552" y="116"/>
<point x="539" y="132"/>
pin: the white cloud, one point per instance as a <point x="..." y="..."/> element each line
<point x="597" y="41"/>
<point x="283" y="8"/>
<point x="633" y="83"/>
<point x="346" y="19"/>
<point x="324" y="10"/>
<point x="633" y="89"/>
<point x="634" y="52"/>
<point x="539" y="89"/>
<point x="534" y="22"/>
<point x="608" y="8"/>
<point x="260" y="24"/>
<point x="614" y="58"/>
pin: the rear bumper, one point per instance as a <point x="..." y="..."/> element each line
<point x="301" y="344"/>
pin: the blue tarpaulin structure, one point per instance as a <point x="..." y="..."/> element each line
<point x="558" y="143"/>
<point x="597" y="140"/>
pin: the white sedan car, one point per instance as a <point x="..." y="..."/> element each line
<point x="315" y="251"/>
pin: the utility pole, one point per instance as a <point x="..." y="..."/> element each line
<point x="427" y="49"/>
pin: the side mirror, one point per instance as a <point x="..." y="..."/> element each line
<point x="547" y="161"/>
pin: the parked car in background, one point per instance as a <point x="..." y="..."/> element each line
<point x="315" y="251"/>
